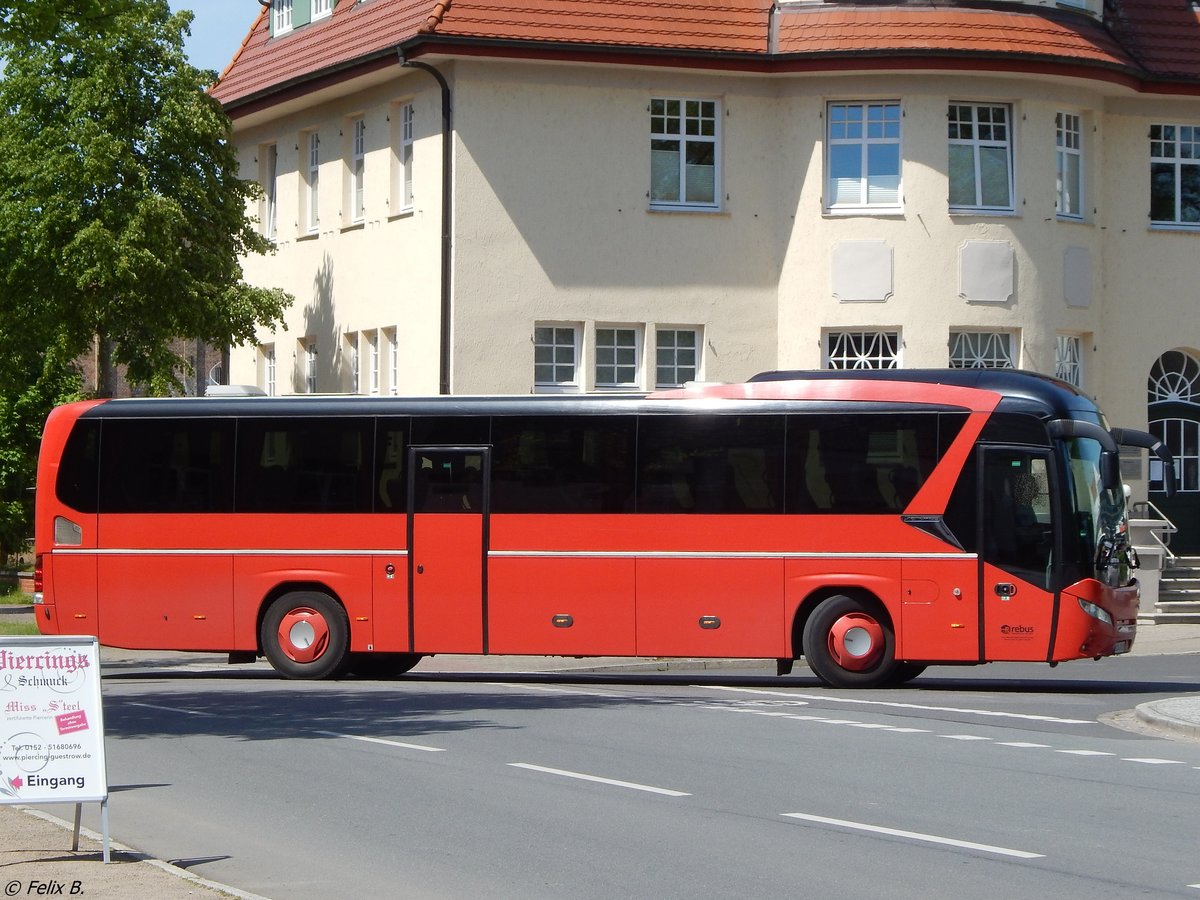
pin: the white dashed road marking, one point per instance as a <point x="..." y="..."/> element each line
<point x="610" y="781"/>
<point x="375" y="740"/>
<point x="916" y="836"/>
<point x="989" y="713"/>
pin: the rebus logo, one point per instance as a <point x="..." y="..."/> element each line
<point x="1017" y="629"/>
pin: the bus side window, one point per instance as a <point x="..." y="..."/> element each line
<point x="392" y="482"/>
<point x="448" y="481"/>
<point x="868" y="463"/>
<point x="167" y="465"/>
<point x="710" y="464"/>
<point x="304" y="465"/>
<point x="78" y="471"/>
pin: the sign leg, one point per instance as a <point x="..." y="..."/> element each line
<point x="104" y="827"/>
<point x="75" y="837"/>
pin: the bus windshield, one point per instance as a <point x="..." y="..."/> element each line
<point x="1100" y="515"/>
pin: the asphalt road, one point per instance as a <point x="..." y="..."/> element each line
<point x="990" y="782"/>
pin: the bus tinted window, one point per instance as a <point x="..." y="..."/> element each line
<point x="391" y="481"/>
<point x="710" y="464"/>
<point x="866" y="463"/>
<point x="78" y="470"/>
<point x="167" y="465"/>
<point x="304" y="465"/>
<point x="451" y="430"/>
<point x="563" y="464"/>
<point x="1014" y="428"/>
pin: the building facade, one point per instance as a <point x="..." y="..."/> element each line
<point x="588" y="195"/>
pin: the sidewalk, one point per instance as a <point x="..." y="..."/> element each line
<point x="37" y="841"/>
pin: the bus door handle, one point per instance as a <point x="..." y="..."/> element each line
<point x="420" y="569"/>
<point x="1005" y="589"/>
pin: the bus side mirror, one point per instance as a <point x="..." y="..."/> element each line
<point x="1130" y="437"/>
<point x="1110" y="471"/>
<point x="1168" y="470"/>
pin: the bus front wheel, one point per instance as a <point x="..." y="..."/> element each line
<point x="306" y="634"/>
<point x="849" y="643"/>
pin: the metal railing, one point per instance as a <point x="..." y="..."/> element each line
<point x="1160" y="528"/>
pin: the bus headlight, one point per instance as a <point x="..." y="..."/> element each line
<point x="1095" y="611"/>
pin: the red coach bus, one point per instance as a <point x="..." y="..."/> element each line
<point x="874" y="523"/>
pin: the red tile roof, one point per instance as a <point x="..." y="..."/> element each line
<point x="1153" y="41"/>
<point x="726" y="25"/>
<point x="1020" y="32"/>
<point x="1164" y="35"/>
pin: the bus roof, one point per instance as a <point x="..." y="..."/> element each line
<point x="1018" y="387"/>
<point x="826" y="391"/>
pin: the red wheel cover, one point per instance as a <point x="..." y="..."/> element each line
<point x="856" y="641"/>
<point x="303" y="634"/>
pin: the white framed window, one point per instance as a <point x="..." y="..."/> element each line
<point x="358" y="164"/>
<point x="1068" y="358"/>
<point x="372" y="339"/>
<point x="981" y="157"/>
<point x="393" y="360"/>
<point x="269" y="156"/>
<point x="862" y="350"/>
<point x="618" y="358"/>
<point x="1068" y="141"/>
<point x="556" y="357"/>
<point x="862" y="160"/>
<point x="676" y="356"/>
<point x="353" y="361"/>
<point x="981" y="350"/>
<point x="310" y="365"/>
<point x="1175" y="175"/>
<point x="684" y="153"/>
<point x="268" y="369"/>
<point x="281" y="16"/>
<point x="321" y="9"/>
<point x="312" y="183"/>
<point x="406" y="155"/>
<point x="400" y="199"/>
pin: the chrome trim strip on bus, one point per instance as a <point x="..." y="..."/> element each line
<point x="141" y="551"/>
<point x="719" y="554"/>
<point x="530" y="554"/>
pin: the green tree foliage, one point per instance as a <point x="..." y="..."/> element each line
<point x="122" y="215"/>
<point x="21" y="20"/>
<point x="23" y="410"/>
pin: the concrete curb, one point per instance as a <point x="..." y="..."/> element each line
<point x="1179" y="716"/>
<point x="139" y="856"/>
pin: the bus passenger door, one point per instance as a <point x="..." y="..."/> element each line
<point x="447" y="548"/>
<point x="1017" y="536"/>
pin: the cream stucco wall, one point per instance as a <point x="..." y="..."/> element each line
<point x="347" y="277"/>
<point x="553" y="225"/>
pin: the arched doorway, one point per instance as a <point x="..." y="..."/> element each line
<point x="1173" y="412"/>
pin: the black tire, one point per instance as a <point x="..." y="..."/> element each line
<point x="382" y="665"/>
<point x="306" y="634"/>
<point x="872" y="669"/>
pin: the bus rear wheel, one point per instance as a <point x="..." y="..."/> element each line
<point x="849" y="643"/>
<point x="306" y="634"/>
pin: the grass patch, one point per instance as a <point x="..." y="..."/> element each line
<point x="18" y="628"/>
<point x="11" y="595"/>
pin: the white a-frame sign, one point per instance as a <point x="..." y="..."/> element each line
<point x="52" y="725"/>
